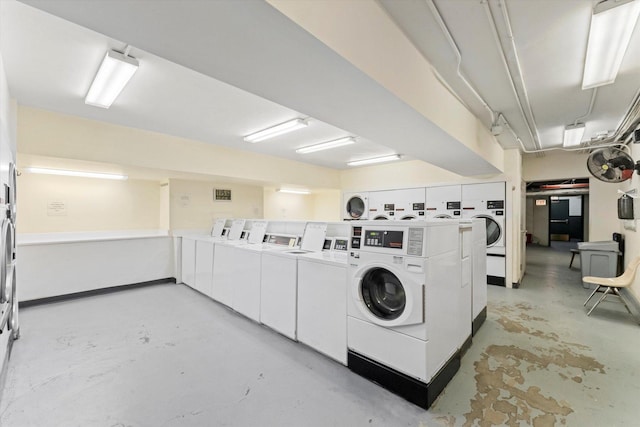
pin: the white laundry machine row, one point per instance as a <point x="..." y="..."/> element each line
<point x="402" y="204"/>
<point x="487" y="201"/>
<point x="405" y="304"/>
<point x="444" y="201"/>
<point x="479" y="273"/>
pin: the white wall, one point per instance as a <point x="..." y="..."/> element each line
<point x="632" y="238"/>
<point x="192" y="205"/>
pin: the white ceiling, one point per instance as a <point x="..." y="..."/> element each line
<point x="217" y="70"/>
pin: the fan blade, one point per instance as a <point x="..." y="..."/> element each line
<point x="598" y="158"/>
<point x="627" y="174"/>
<point x="609" y="173"/>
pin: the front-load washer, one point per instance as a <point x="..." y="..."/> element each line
<point x="403" y="306"/>
<point x="382" y="204"/>
<point x="322" y="300"/>
<point x="355" y="206"/>
<point x="487" y="201"/>
<point x="444" y="201"/>
<point x="279" y="281"/>
<point x="410" y="203"/>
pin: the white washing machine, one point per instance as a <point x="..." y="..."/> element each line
<point x="322" y="299"/>
<point x="410" y="204"/>
<point x="246" y="266"/>
<point x="223" y="256"/>
<point x="403" y="306"/>
<point x="279" y="281"/>
<point x="444" y="201"/>
<point x="382" y="205"/>
<point x="355" y="206"/>
<point x="479" y="258"/>
<point x="488" y="201"/>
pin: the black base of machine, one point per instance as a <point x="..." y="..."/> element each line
<point x="478" y="321"/>
<point x="496" y="280"/>
<point x="414" y="391"/>
<point x="465" y="346"/>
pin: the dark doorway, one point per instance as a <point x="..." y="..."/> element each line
<point x="559" y="220"/>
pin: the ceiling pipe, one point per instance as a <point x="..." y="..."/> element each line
<point x="588" y="113"/>
<point x="445" y="30"/>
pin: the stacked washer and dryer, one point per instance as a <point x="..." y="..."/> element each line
<point x="402" y="204"/>
<point x="444" y="201"/>
<point x="486" y="201"/>
<point x="405" y="305"/>
<point x="8" y="288"/>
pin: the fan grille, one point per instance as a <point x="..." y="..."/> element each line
<point x="610" y="165"/>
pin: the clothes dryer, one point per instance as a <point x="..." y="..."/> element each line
<point x="487" y="201"/>
<point x="403" y="306"/>
<point x="410" y="204"/>
<point x="382" y="204"/>
<point x="444" y="201"/>
<point x="355" y="206"/>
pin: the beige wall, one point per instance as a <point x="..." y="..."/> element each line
<point x="192" y="205"/>
<point x="281" y="206"/>
<point x="51" y="134"/>
<point x="390" y="176"/>
<point x="89" y="204"/>
<point x="632" y="238"/>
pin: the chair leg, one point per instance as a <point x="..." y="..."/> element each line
<point x="592" y="294"/>
<point x="604" y="295"/>
<point x="617" y="292"/>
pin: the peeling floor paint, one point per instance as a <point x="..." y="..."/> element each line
<point x="505" y="393"/>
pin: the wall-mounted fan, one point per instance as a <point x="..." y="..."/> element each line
<point x="611" y="165"/>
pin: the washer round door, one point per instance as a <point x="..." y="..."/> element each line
<point x="355" y="207"/>
<point x="494" y="232"/>
<point x="381" y="218"/>
<point x="445" y="216"/>
<point x="408" y="217"/>
<point x="383" y="294"/>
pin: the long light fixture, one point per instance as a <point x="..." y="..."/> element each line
<point x="47" y="171"/>
<point x="293" y="191"/>
<point x="327" y="145"/>
<point x="273" y="131"/>
<point x="113" y="75"/>
<point x="612" y="24"/>
<point x="375" y="160"/>
<point x="573" y="135"/>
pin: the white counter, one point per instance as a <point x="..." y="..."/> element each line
<point x="55" y="264"/>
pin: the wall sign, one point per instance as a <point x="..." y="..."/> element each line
<point x="541" y="202"/>
<point x="220" y="195"/>
<point x="56" y="208"/>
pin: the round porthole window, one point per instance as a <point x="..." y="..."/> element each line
<point x="383" y="294"/>
<point x="355" y="207"/>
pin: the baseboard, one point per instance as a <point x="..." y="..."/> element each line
<point x="93" y="292"/>
<point x="478" y="321"/>
<point x="416" y="392"/>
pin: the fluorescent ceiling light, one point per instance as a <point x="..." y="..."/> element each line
<point x="573" y="135"/>
<point x="293" y="191"/>
<point x="113" y="75"/>
<point x="374" y="160"/>
<point x="326" y="145"/>
<point x="280" y="129"/>
<point x="612" y="24"/>
<point x="76" y="173"/>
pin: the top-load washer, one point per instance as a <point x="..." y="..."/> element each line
<point x="382" y="204"/>
<point x="487" y="201"/>
<point x="322" y="299"/>
<point x="355" y="206"/>
<point x="403" y="305"/>
<point x="444" y="201"/>
<point x="279" y="281"/>
<point x="223" y="275"/>
<point x="410" y="204"/>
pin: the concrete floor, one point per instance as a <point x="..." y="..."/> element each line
<point x="168" y="356"/>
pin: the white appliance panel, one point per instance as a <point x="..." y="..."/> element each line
<point x="322" y="307"/>
<point x="223" y="274"/>
<point x="204" y="267"/>
<point x="188" y="262"/>
<point x="247" y="265"/>
<point x="278" y="294"/>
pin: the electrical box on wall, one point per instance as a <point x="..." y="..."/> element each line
<point x="629" y="209"/>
